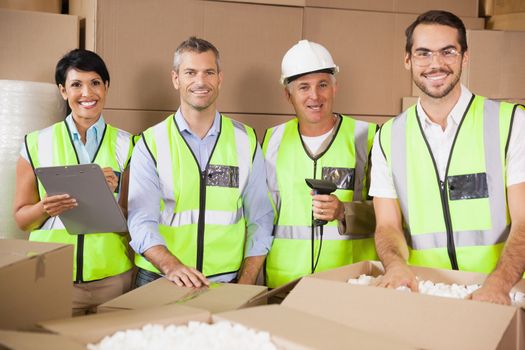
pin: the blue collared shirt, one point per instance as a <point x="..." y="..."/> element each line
<point x="144" y="195"/>
<point x="86" y="152"/>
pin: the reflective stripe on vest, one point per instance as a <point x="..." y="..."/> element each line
<point x="467" y="194"/>
<point x="212" y="217"/>
<point x="226" y="176"/>
<point x="96" y="255"/>
<point x="305" y="232"/>
<point x="165" y="169"/>
<point x="287" y="165"/>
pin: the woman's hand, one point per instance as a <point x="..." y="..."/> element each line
<point x="111" y="178"/>
<point x="56" y="205"/>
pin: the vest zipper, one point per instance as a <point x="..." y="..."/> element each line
<point x="451" y="248"/>
<point x="312" y="227"/>
<point x="80" y="238"/>
<point x="80" y="259"/>
<point x="200" y="224"/>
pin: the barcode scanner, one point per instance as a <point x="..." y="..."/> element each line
<point x="321" y="187"/>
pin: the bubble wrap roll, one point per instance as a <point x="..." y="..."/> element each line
<point x="24" y="107"/>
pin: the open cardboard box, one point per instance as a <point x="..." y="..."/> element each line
<point x="35" y="282"/>
<point x="423" y="321"/>
<point x="289" y="329"/>
<point x="13" y="340"/>
<point x="218" y="297"/>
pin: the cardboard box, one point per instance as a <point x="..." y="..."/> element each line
<point x="467" y="8"/>
<point x="511" y="21"/>
<point x="30" y="341"/>
<point x="293" y="329"/>
<point x="486" y="8"/>
<point x="501" y="7"/>
<point x="290" y="329"/>
<point x="421" y="320"/>
<point x="33" y="42"/>
<point x="141" y="80"/>
<point x="372" y="78"/>
<point x="296" y="3"/>
<point x="495" y="67"/>
<point x="408" y="101"/>
<point x="53" y="6"/>
<point x="218" y="297"/>
<point x="36" y="282"/>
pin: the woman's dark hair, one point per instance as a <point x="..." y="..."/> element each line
<point x="82" y="60"/>
<point x="437" y="17"/>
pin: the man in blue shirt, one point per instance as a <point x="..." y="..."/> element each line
<point x="198" y="201"/>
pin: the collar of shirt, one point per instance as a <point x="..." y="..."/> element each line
<point x="184" y="127"/>
<point x="455" y="115"/>
<point x="94" y="130"/>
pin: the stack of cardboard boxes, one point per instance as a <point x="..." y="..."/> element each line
<point x="137" y="38"/>
<point x="505" y="14"/>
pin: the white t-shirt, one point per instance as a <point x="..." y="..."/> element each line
<point x="314" y="142"/>
<point x="440" y="142"/>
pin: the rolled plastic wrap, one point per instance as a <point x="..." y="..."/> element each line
<point x="25" y="106"/>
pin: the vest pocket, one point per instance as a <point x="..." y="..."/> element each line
<point x="222" y="176"/>
<point x="469" y="186"/>
<point x="343" y="178"/>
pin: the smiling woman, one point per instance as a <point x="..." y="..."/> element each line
<point x="101" y="268"/>
<point x="86" y="94"/>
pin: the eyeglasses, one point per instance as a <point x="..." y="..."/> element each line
<point x="424" y="57"/>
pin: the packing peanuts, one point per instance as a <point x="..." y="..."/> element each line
<point x="289" y="329"/>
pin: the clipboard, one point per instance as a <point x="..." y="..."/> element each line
<point x="97" y="210"/>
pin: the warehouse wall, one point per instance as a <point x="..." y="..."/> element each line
<point x="137" y="39"/>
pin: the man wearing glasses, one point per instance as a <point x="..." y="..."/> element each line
<point x="448" y="174"/>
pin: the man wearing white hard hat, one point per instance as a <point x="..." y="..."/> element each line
<point x="317" y="144"/>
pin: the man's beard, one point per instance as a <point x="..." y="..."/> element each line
<point x="445" y="92"/>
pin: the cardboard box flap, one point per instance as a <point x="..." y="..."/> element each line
<point x="417" y="318"/>
<point x="225" y="296"/>
<point x="276" y="294"/>
<point x="92" y="328"/>
<point x="158" y="292"/>
<point x="343" y="273"/>
<point x="216" y="298"/>
<point x="29" y="341"/>
<point x="14" y="250"/>
<point x="292" y="327"/>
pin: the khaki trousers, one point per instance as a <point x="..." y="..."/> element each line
<point x="87" y="296"/>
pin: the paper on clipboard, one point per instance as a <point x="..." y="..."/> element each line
<point x="97" y="210"/>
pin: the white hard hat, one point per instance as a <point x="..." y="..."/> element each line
<point x="306" y="57"/>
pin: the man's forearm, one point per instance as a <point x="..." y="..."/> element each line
<point x="250" y="269"/>
<point x="391" y="246"/>
<point x="161" y="258"/>
<point x="511" y="264"/>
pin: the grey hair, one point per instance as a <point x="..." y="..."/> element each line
<point x="194" y="44"/>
